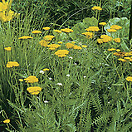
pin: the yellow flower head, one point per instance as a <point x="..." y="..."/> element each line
<point x="93" y="28"/>
<point x="84" y="46"/>
<point x="25" y="37"/>
<point x="118" y="50"/>
<point x="61" y="53"/>
<point x="46" y="28"/>
<point x="34" y="90"/>
<point x="120" y="54"/>
<point x="31" y="79"/>
<point x="12" y="64"/>
<point x="21" y="80"/>
<point x="123" y="60"/>
<point x="69" y="45"/>
<point x="6" y="121"/>
<point x="44" y="43"/>
<point x="46" y="69"/>
<point x="128" y="53"/>
<point x="48" y="37"/>
<point x="112" y="49"/>
<point x="59" y="42"/>
<point x="53" y="46"/>
<point x="117" y="40"/>
<point x="57" y="31"/>
<point x="102" y="23"/>
<point x="77" y="47"/>
<point x="129" y="78"/>
<point x="111" y="30"/>
<point x="67" y="30"/>
<point x="7" y="48"/>
<point x="116" y="27"/>
<point x="97" y="8"/>
<point x="36" y="31"/>
<point x="88" y="34"/>
<point x="127" y="58"/>
<point x="106" y="38"/>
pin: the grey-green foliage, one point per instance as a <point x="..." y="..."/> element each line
<point x="79" y="28"/>
<point x="122" y="33"/>
<point x="98" y="102"/>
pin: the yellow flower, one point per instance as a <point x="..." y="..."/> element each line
<point x="54" y="46"/>
<point x="100" y="41"/>
<point x="25" y="37"/>
<point x="36" y="31"/>
<point x="121" y="54"/>
<point x="117" y="40"/>
<point x="112" y="49"/>
<point x="93" y="28"/>
<point x="128" y="53"/>
<point x="116" y="27"/>
<point x="123" y="60"/>
<point x="48" y="37"/>
<point x="106" y="38"/>
<point x="67" y="30"/>
<point x="46" y="28"/>
<point x="7" y="48"/>
<point x="59" y="42"/>
<point x="21" y="80"/>
<point x="88" y="34"/>
<point x="111" y="30"/>
<point x="84" y="46"/>
<point x="97" y="8"/>
<point x="57" y="31"/>
<point x="44" y="43"/>
<point x="102" y="23"/>
<point x="127" y="58"/>
<point x="129" y="78"/>
<point x="6" y="121"/>
<point x="34" y="90"/>
<point x="12" y="64"/>
<point x="46" y="69"/>
<point x="118" y="50"/>
<point x="31" y="79"/>
<point x="61" y="53"/>
<point x="77" y="47"/>
<point x="69" y="45"/>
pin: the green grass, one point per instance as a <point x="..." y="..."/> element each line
<point x="93" y="94"/>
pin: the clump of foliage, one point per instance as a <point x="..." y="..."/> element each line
<point x="57" y="78"/>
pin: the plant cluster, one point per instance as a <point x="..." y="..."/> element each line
<point x="66" y="79"/>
